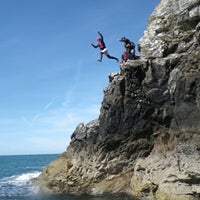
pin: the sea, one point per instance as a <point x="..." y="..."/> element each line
<point x="17" y="171"/>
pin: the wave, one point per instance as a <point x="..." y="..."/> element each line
<point x="17" y="184"/>
<point x="19" y="179"/>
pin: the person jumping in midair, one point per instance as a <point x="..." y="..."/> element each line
<point x="103" y="48"/>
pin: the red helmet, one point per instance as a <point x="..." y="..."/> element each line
<point x="98" y="39"/>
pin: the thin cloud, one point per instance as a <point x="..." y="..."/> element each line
<point x="32" y="121"/>
<point x="48" y="105"/>
<point x="70" y="92"/>
<point x="37" y="116"/>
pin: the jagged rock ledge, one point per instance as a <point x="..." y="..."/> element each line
<point x="146" y="141"/>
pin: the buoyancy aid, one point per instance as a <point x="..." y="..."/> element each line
<point x="101" y="45"/>
<point x="125" y="56"/>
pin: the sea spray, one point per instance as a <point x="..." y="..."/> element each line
<point x="17" y="184"/>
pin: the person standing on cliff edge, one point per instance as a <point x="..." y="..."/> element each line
<point x="103" y="48"/>
<point x="129" y="52"/>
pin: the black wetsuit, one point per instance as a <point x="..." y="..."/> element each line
<point x="130" y="48"/>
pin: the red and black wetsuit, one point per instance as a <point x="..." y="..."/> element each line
<point x="103" y="48"/>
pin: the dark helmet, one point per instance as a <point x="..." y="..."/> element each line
<point x="122" y="39"/>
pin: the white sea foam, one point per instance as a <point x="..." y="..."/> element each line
<point x="19" y="179"/>
<point x="26" y="177"/>
<point x="17" y="184"/>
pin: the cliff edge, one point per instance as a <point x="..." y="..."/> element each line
<point x="146" y="141"/>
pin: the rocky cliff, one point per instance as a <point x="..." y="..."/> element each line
<point x="146" y="140"/>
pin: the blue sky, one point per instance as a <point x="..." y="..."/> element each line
<point x="50" y="80"/>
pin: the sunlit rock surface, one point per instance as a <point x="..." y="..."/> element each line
<point x="146" y="141"/>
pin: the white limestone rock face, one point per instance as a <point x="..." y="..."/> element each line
<point x="171" y="28"/>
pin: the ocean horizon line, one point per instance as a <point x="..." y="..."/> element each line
<point x="31" y="154"/>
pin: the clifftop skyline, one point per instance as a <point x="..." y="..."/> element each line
<point x="48" y="66"/>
